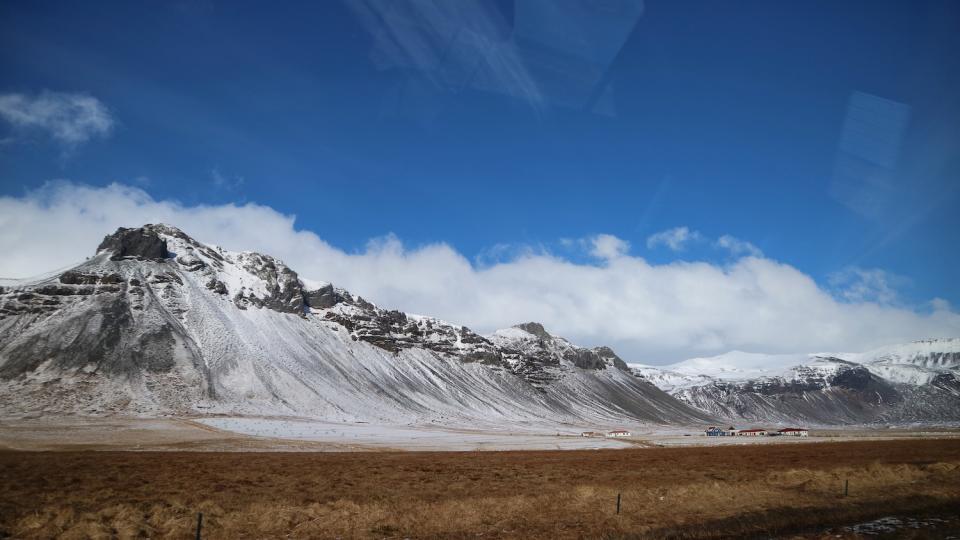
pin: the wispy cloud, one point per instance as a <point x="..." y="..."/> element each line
<point x="647" y="312"/>
<point x="70" y="119"/>
<point x="676" y="238"/>
<point x="855" y="284"/>
<point x="604" y="247"/>
<point x="738" y="247"/>
<point x="224" y="181"/>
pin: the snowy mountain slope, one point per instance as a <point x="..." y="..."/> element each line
<point x="158" y="323"/>
<point x="668" y="380"/>
<point x="916" y="382"/>
<point x="916" y="363"/>
<point x="740" y="365"/>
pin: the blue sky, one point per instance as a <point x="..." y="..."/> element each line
<point x="825" y="134"/>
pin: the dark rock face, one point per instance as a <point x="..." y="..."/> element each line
<point x="323" y="298"/>
<point x="284" y="292"/>
<point x="597" y="358"/>
<point x="216" y="286"/>
<point x="947" y="381"/>
<point x="585" y="359"/>
<point x="946" y="359"/>
<point x="190" y="262"/>
<point x="536" y="329"/>
<point x="71" y="277"/>
<point x="142" y="243"/>
<point x="394" y="331"/>
<point x="108" y="341"/>
<point x="607" y="353"/>
<point x="48" y="297"/>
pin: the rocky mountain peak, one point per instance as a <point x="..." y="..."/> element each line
<point x="606" y="353"/>
<point x="536" y="329"/>
<point x="140" y="242"/>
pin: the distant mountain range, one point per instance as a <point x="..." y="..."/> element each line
<point x="157" y="323"/>
<point x="914" y="382"/>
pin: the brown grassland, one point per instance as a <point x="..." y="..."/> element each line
<point x="666" y="492"/>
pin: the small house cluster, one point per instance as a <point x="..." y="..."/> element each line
<point x="614" y="433"/>
<point x="714" y="431"/>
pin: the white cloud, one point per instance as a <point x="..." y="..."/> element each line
<point x="856" y="284"/>
<point x="607" y="246"/>
<point x="676" y="239"/>
<point x="71" y="119"/>
<point x="647" y="312"/>
<point x="940" y="304"/>
<point x="738" y="247"/>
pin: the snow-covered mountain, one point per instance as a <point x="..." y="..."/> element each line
<point x="914" y="382"/>
<point x="159" y="323"/>
<point x="916" y="363"/>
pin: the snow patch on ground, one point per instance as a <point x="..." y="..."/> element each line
<point x="409" y="437"/>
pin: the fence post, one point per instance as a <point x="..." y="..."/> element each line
<point x="846" y="487"/>
<point x="618" y="504"/>
<point x="199" y="524"/>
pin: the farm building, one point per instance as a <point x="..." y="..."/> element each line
<point x="618" y="433"/>
<point x="793" y="432"/>
<point x="720" y="432"/>
<point x="752" y="433"/>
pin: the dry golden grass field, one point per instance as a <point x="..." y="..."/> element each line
<point x="687" y="492"/>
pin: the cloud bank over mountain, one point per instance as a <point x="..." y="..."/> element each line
<point x="649" y="313"/>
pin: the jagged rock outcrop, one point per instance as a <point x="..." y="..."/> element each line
<point x="394" y="331"/>
<point x="535" y="354"/>
<point x="322" y="298"/>
<point x="608" y="356"/>
<point x="536" y="329"/>
<point x="141" y="242"/>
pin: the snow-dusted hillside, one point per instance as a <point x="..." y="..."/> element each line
<point x="916" y="363"/>
<point x="159" y="323"/>
<point x="914" y="382"/>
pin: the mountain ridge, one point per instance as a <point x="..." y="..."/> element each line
<point x="914" y="382"/>
<point x="159" y="323"/>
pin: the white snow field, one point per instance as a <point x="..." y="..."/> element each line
<point x="381" y="436"/>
